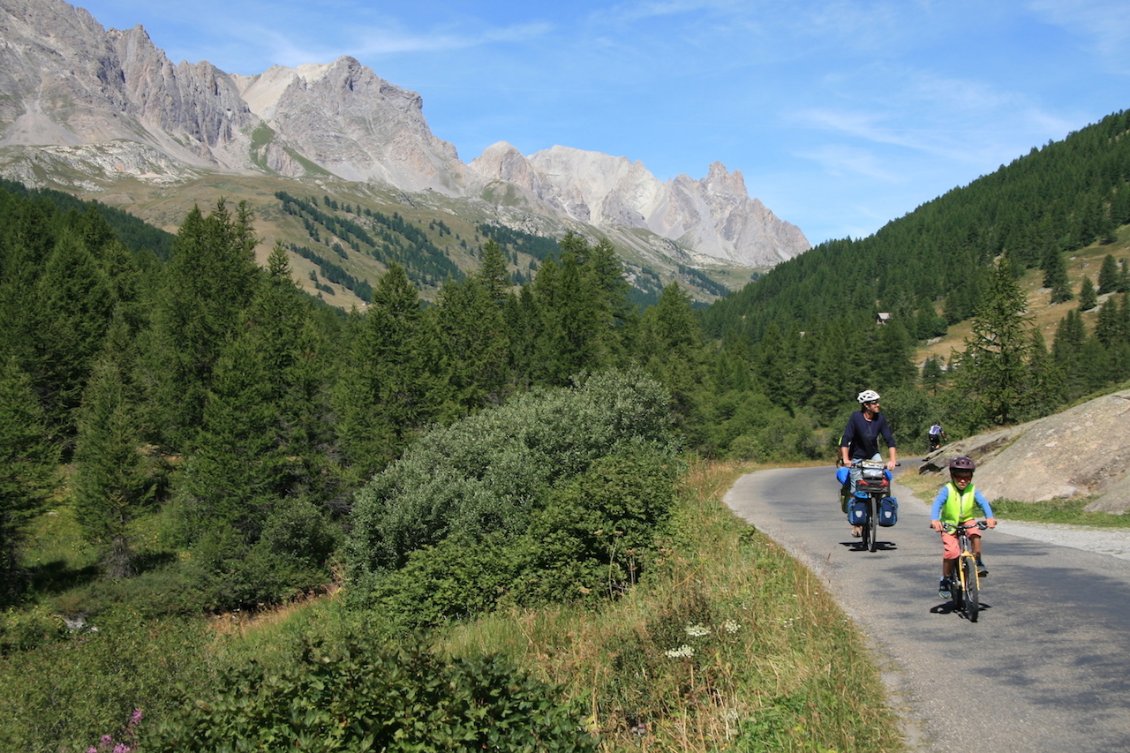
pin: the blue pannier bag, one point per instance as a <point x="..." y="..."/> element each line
<point x="888" y="511"/>
<point x="857" y="512"/>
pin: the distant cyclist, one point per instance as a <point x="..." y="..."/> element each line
<point x="860" y="440"/>
<point x="937" y="436"/>
<point x="955" y="504"/>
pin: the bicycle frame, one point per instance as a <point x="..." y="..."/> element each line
<point x="965" y="581"/>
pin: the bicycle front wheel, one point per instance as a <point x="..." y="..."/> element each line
<point x="873" y="524"/>
<point x="972" y="590"/>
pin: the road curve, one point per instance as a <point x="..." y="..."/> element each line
<point x="1045" y="668"/>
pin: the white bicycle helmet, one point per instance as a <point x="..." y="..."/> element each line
<point x="867" y="396"/>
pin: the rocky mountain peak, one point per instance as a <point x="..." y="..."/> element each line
<point x="110" y="104"/>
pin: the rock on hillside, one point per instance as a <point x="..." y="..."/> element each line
<point x="1081" y="452"/>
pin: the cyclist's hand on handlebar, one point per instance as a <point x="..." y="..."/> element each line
<point x="992" y="522"/>
<point x="936" y="525"/>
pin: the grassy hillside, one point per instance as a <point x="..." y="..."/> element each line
<point x="1045" y="315"/>
<point x="451" y="225"/>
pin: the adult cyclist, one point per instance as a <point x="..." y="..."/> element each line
<point x="860" y="441"/>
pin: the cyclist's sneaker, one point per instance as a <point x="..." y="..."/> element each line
<point x="981" y="569"/>
<point x="944" y="588"/>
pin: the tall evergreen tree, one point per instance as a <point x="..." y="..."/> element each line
<point x="111" y="484"/>
<point x="671" y="349"/>
<point x="1088" y="298"/>
<point x="992" y="371"/>
<point x="28" y="469"/>
<point x="74" y="306"/>
<point x="472" y="329"/>
<point x="1108" y="275"/>
<point x="393" y="383"/>
<point x="1055" y="276"/>
<point x="208" y="283"/>
<point x="1067" y="351"/>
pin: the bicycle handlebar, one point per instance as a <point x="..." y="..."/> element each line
<point x="950" y="528"/>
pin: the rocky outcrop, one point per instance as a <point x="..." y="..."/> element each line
<point x="1081" y="452"/>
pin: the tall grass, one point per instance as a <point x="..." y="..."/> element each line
<point x="727" y="645"/>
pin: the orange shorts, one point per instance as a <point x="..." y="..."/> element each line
<point x="949" y="543"/>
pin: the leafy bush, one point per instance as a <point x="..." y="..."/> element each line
<point x="66" y="694"/>
<point x="596" y="531"/>
<point x="360" y="695"/>
<point x="588" y="541"/>
<point x="27" y="628"/>
<point x="490" y="472"/>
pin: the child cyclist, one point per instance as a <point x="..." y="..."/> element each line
<point x="954" y="505"/>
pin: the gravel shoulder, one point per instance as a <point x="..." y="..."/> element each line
<point x="1111" y="541"/>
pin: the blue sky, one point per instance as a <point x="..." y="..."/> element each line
<point x="840" y="115"/>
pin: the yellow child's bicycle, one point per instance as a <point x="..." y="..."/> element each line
<point x="965" y="584"/>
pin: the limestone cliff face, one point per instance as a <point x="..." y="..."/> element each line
<point x="78" y="99"/>
<point x="356" y="125"/>
<point x="714" y="217"/>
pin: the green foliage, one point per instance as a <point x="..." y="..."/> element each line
<point x="992" y="370"/>
<point x="27" y="469"/>
<point x="25" y="629"/>
<point x="488" y="472"/>
<point x="358" y="695"/>
<point x="66" y="694"/>
<point x="112" y="479"/>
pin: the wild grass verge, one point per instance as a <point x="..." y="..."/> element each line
<point x="727" y="644"/>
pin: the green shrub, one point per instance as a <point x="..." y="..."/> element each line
<point x="27" y="628"/>
<point x="490" y="472"/>
<point x="359" y="695"/>
<point x="65" y="694"/>
<point x="588" y="541"/>
<point x="596" y="531"/>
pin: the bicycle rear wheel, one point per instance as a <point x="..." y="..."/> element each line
<point x="972" y="591"/>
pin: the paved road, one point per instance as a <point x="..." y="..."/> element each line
<point x="1045" y="668"/>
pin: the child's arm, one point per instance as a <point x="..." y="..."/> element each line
<point x="986" y="508"/>
<point x="936" y="509"/>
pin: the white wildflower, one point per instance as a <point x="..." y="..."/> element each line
<point x="682" y="652"/>
<point x="730" y="626"/>
<point x="697" y="631"/>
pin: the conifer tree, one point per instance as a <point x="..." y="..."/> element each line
<point x="992" y="371"/>
<point x="1108" y="275"/>
<point x="1088" y="298"/>
<point x="1067" y="351"/>
<point x="933" y="374"/>
<point x="1047" y="382"/>
<point x="392" y="384"/>
<point x="472" y="329"/>
<point x="208" y="282"/>
<point x="111" y="483"/>
<point x="1055" y="276"/>
<point x="74" y="306"/>
<point x="28" y="463"/>
<point x="893" y="356"/>
<point x="493" y="274"/>
<point x="671" y="349"/>
<point x="522" y="324"/>
<point x="1110" y="327"/>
